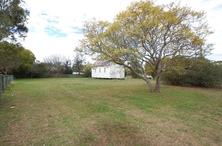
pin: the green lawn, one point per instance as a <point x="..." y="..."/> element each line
<point x="81" y="111"/>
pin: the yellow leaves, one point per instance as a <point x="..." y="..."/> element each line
<point x="197" y="40"/>
<point x="121" y="51"/>
<point x="117" y="52"/>
<point x="149" y="68"/>
<point x="173" y="20"/>
<point x="164" y="61"/>
<point x="12" y="106"/>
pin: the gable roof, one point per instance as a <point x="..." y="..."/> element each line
<point x="101" y="62"/>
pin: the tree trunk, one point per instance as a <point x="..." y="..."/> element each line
<point x="4" y="71"/>
<point x="149" y="85"/>
<point x="157" y="87"/>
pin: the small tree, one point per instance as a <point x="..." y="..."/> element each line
<point x="87" y="70"/>
<point x="67" y="69"/>
<point x="38" y="70"/>
<point x="78" y="62"/>
<point x="146" y="34"/>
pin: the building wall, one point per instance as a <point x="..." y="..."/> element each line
<point x="112" y="71"/>
<point x="101" y="72"/>
<point x="117" y="71"/>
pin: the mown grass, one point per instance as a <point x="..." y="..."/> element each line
<point x="82" y="111"/>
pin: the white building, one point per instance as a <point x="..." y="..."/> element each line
<point x="107" y="69"/>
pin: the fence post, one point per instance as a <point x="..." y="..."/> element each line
<point x="5" y="80"/>
<point x="1" y="86"/>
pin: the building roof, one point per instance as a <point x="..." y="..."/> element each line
<point x="101" y="62"/>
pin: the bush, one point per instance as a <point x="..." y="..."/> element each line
<point x="203" y="73"/>
<point x="38" y="70"/>
<point x="87" y="70"/>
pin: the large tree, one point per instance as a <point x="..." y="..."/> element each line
<point x="146" y="34"/>
<point x="13" y="19"/>
<point x="10" y="57"/>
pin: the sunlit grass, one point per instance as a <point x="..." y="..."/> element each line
<point x="85" y="111"/>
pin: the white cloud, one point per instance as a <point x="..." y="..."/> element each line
<point x="67" y="17"/>
<point x="43" y="45"/>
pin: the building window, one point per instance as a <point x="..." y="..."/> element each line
<point x="95" y="69"/>
<point x="104" y="69"/>
<point x="99" y="69"/>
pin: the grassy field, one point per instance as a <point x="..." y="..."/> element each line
<point x="71" y="111"/>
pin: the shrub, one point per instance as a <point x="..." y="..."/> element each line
<point x="87" y="70"/>
<point x="202" y="73"/>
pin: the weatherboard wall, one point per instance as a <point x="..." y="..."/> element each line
<point x="108" y="71"/>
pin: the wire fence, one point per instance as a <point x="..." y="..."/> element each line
<point x="67" y="75"/>
<point x="5" y="81"/>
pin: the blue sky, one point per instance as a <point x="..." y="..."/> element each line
<point x="55" y="26"/>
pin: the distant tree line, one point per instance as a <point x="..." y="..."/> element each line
<point x="56" y="65"/>
<point x="16" y="60"/>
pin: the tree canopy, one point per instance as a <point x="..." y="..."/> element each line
<point x="146" y="34"/>
<point x="13" y="55"/>
<point x="27" y="59"/>
<point x="13" y="19"/>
